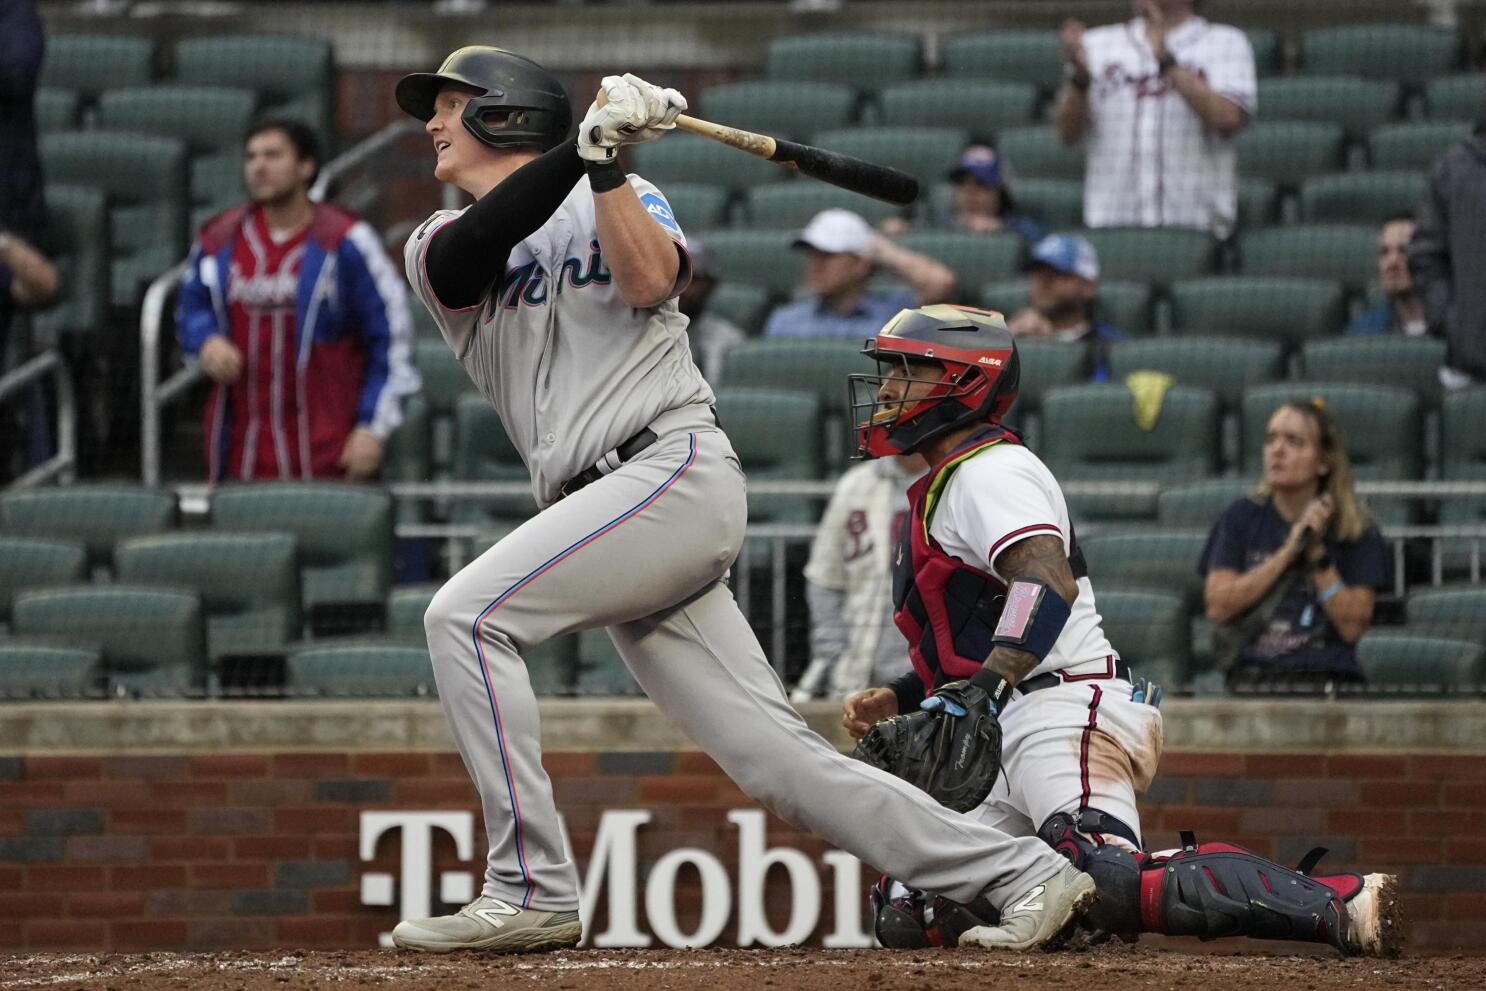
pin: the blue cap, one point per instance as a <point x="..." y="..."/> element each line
<point x="1068" y="253"/>
<point x="980" y="162"/>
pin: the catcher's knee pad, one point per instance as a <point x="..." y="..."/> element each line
<point x="1080" y="836"/>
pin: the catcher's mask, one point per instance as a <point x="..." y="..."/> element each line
<point x="977" y="377"/>
<point x="519" y="103"/>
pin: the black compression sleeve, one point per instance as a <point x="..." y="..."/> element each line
<point x="469" y="253"/>
<point x="910" y="690"/>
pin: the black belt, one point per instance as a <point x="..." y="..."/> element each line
<point x="1051" y="678"/>
<point x="624" y="452"/>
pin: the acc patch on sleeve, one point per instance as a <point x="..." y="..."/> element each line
<point x="657" y="207"/>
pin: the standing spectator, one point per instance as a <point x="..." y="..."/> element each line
<point x="294" y="310"/>
<point x="848" y="581"/>
<point x="1447" y="255"/>
<point x="842" y="252"/>
<point x="1160" y="99"/>
<point x="1403" y="311"/>
<point x="1292" y="570"/>
<point x="1063" y="291"/>
<point x="711" y="334"/>
<point x="27" y="280"/>
<point x="22" y="211"/>
<point x="981" y="200"/>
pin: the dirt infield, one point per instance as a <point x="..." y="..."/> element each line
<point x="1113" y="967"/>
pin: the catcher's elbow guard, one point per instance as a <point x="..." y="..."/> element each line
<point x="1032" y="618"/>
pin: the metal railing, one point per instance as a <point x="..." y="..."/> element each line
<point x="63" y="464"/>
<point x="155" y="395"/>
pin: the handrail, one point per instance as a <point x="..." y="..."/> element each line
<point x="153" y="395"/>
<point x="359" y="153"/>
<point x="63" y="464"/>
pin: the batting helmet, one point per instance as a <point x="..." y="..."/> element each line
<point x="978" y="377"/>
<point x="519" y="102"/>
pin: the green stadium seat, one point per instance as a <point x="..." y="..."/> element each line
<point x="776" y="435"/>
<point x="744" y="304"/>
<point x="1358" y="104"/>
<point x="1415" y="145"/>
<point x="688" y="158"/>
<point x="248" y="584"/>
<point x="1149" y="630"/>
<point x="294" y="76"/>
<point x="1036" y="152"/>
<point x="1381" y="359"/>
<point x="1406" y="52"/>
<point x="152" y="638"/>
<point x="1058" y="204"/>
<point x="1152" y="254"/>
<point x="406" y="607"/>
<point x="1289" y="310"/>
<point x="343" y="532"/>
<point x="1198" y="504"/>
<point x="1287" y="151"/>
<point x="862" y="59"/>
<point x="76" y="239"/>
<point x="88" y="64"/>
<point x="780" y="108"/>
<point x="360" y="670"/>
<point x="56" y="109"/>
<point x="1027" y="55"/>
<point x="1452" y="612"/>
<point x="758" y="257"/>
<point x="409" y="455"/>
<point x="1403" y="660"/>
<point x="1463" y="451"/>
<point x="484" y="453"/>
<point x="927" y="153"/>
<point x="817" y="367"/>
<point x="1266" y="46"/>
<point x="1381" y="424"/>
<point x="1226" y="366"/>
<point x="1089" y="433"/>
<point x="1129" y="306"/>
<point x="601" y="671"/>
<point x="27" y="562"/>
<point x="698" y="205"/>
<point x="1345" y="253"/>
<point x="1460" y="98"/>
<point x="444" y="378"/>
<point x="1045" y="365"/>
<point x="1360" y="197"/>
<point x="97" y="515"/>
<point x="1147" y="558"/>
<point x="1258" y="202"/>
<point x="981" y="108"/>
<point x="216" y="185"/>
<point x="41" y="668"/>
<point x="792" y="204"/>
<point x="975" y="258"/>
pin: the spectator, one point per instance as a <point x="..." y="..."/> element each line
<point x="27" y="280"/>
<point x="843" y="251"/>
<point x="261" y="277"/>
<point x="711" y="335"/>
<point x="848" y="581"/>
<point x="1446" y="255"/>
<point x="1160" y="99"/>
<point x="1064" y="290"/>
<point x="22" y="211"/>
<point x="982" y="201"/>
<point x="1403" y="312"/>
<point x="1292" y="569"/>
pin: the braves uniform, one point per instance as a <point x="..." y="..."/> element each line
<point x="574" y="372"/>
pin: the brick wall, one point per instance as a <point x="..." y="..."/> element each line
<point x="260" y="850"/>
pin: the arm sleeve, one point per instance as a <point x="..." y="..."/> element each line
<point x="909" y="689"/>
<point x="1225" y="546"/>
<point x="380" y="305"/>
<point x="195" y="316"/>
<point x="1232" y="75"/>
<point x="1429" y="250"/>
<point x="996" y="502"/>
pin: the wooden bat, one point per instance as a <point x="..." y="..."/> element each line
<point x="867" y="178"/>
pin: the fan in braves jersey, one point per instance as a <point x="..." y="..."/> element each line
<point x="990" y="586"/>
<point x="556" y="290"/>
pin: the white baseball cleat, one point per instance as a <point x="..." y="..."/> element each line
<point x="492" y="925"/>
<point x="1039" y="917"/>
<point x="1375" y="926"/>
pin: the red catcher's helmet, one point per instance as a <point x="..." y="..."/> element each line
<point x="978" y="381"/>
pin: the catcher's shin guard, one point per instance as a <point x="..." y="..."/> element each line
<point x="898" y="922"/>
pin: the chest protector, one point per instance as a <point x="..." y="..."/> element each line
<point x="948" y="609"/>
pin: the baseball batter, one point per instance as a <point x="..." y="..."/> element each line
<point x="990" y="588"/>
<point x="556" y="290"/>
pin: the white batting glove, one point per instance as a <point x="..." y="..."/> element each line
<point x="605" y="128"/>
<point x="662" y="106"/>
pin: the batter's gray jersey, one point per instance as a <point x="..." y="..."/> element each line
<point x="571" y="370"/>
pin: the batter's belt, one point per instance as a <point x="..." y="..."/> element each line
<point x="603" y="466"/>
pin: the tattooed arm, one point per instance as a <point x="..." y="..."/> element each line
<point x="1040" y="558"/>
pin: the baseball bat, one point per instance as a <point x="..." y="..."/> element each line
<point x="867" y="178"/>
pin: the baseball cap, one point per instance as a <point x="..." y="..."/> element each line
<point x="837" y="231"/>
<point x="981" y="162"/>
<point x="1068" y="253"/>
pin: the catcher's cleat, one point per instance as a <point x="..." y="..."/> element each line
<point x="491" y="925"/>
<point x="1041" y="917"/>
<point x="1375" y="925"/>
<point x="898" y="923"/>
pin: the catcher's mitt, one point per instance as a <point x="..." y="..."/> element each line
<point x="955" y="758"/>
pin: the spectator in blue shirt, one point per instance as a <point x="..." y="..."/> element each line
<point x="1403" y="311"/>
<point x="1063" y="292"/>
<point x="842" y="253"/>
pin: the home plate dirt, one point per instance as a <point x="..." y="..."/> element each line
<point x="1111" y="967"/>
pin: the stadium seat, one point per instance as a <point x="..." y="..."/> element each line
<point x="248" y="584"/>
<point x="744" y="304"/>
<point x="406" y="607"/>
<point x="1045" y="365"/>
<point x="758" y="257"/>
<point x="27" y="562"/>
<point x="1345" y="253"/>
<point x="927" y="153"/>
<point x="1197" y="504"/>
<point x="1360" y="197"/>
<point x="698" y="205"/>
<point x="1227" y="366"/>
<point x="1149" y="630"/>
<point x="792" y="204"/>
<point x="1057" y="204"/>
<point x="1289" y="310"/>
<point x="76" y="239"/>
<point x="56" y="109"/>
<point x="1459" y="98"/>
<point x="1415" y="145"/>
<point x="1129" y="306"/>
<point x="817" y="367"/>
<point x="1357" y="104"/>
<point x="781" y="108"/>
<point x="689" y="158"/>
<point x="862" y="59"/>
<point x="1463" y="451"/>
<point x="343" y="532"/>
<point x="408" y="456"/>
<point x="144" y="178"/>
<point x="1036" y="152"/>
<point x="1287" y="151"/>
<point x="1152" y="254"/>
<point x="1022" y="55"/>
<point x="484" y="453"/>
<point x="1382" y="359"/>
<point x="1258" y="202"/>
<point x="1147" y="557"/>
<point x="981" y="108"/>
<point x="294" y="76"/>
<point x="1406" y="52"/>
<point x="1381" y="424"/>
<point x="444" y="378"/>
<point x="216" y="185"/>
<point x="776" y="435"/>
<point x="601" y="671"/>
<point x="96" y="515"/>
<point x="152" y="638"/>
<point x="1089" y="433"/>
<point x="975" y="258"/>
<point x="1266" y="46"/>
<point x="360" y="669"/>
<point x="88" y="64"/>
<point x="1452" y="612"/>
<point x="46" y="668"/>
<point x="1403" y="660"/>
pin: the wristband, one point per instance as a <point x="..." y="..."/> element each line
<point x="604" y="176"/>
<point x="1329" y="592"/>
<point x="1166" y="63"/>
<point x="997" y="688"/>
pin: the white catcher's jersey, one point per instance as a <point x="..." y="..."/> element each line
<point x="572" y="370"/>
<point x="1002" y="495"/>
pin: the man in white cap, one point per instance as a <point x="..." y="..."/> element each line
<point x="842" y="252"/>
<point x="1063" y="290"/>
